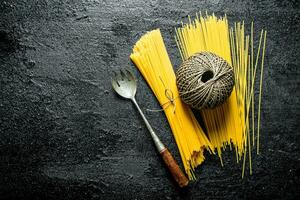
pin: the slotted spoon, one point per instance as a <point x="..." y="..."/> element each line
<point x="125" y="84"/>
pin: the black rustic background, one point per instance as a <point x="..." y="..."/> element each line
<point x="64" y="134"/>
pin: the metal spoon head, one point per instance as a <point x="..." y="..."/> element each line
<point x="124" y="83"/>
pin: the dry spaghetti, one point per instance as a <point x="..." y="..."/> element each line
<point x="152" y="60"/>
<point x="229" y="123"/>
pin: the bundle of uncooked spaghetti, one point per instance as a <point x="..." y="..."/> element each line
<point x="151" y="58"/>
<point x="229" y="123"/>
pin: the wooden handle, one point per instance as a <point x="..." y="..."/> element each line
<point x="174" y="168"/>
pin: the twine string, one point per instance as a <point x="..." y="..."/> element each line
<point x="171" y="100"/>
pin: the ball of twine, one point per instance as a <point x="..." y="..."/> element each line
<point x="205" y="80"/>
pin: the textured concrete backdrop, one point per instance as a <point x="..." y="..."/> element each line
<point x="64" y="134"/>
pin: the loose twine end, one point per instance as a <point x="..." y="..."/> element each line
<point x="171" y="100"/>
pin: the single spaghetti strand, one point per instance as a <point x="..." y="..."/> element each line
<point x="252" y="77"/>
<point x="260" y="89"/>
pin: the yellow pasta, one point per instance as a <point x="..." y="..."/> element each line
<point x="229" y="123"/>
<point x="152" y="60"/>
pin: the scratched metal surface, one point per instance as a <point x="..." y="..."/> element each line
<point x="64" y="134"/>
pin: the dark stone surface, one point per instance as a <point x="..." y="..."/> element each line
<point x="64" y="134"/>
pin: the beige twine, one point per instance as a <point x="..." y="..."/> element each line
<point x="171" y="100"/>
<point x="205" y="80"/>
